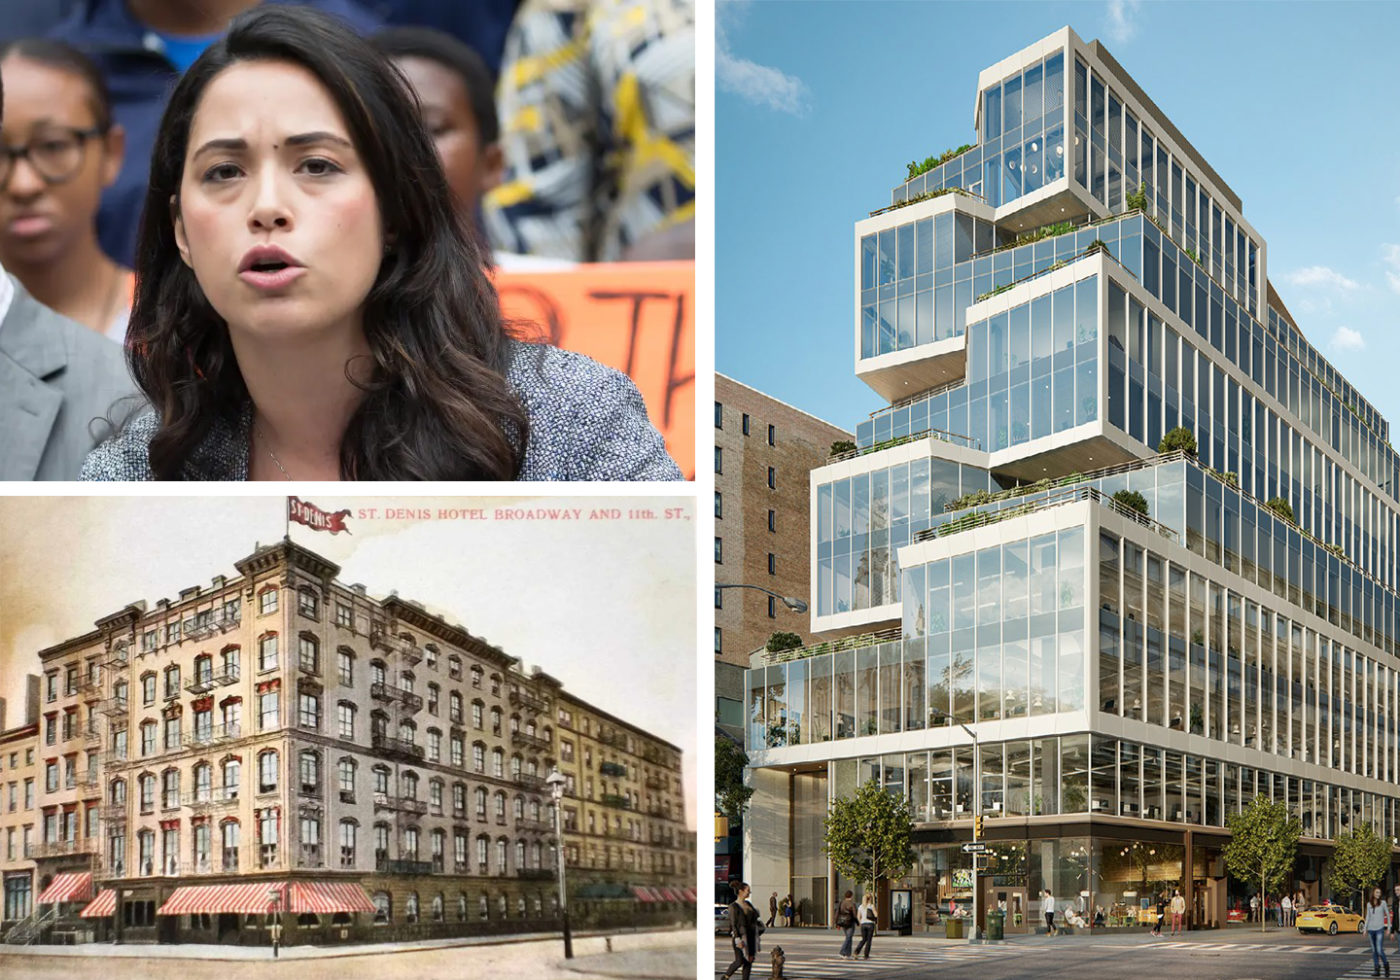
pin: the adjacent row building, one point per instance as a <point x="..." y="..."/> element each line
<point x="1040" y="310"/>
<point x="282" y="748"/>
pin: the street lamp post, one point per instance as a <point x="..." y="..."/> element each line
<point x="556" y="783"/>
<point x="275" y="897"/>
<point x="976" y="810"/>
<point x="793" y="603"/>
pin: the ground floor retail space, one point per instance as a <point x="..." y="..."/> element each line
<point x="1098" y="875"/>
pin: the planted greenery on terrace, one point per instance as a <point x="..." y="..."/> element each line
<point x="916" y="168"/>
<point x="926" y="196"/>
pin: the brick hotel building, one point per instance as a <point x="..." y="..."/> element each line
<point x="1040" y="309"/>
<point x="282" y="747"/>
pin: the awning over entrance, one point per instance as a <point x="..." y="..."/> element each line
<point x="689" y="894"/>
<point x="644" y="894"/>
<point x="102" y="906"/>
<point x="329" y="896"/>
<point x="249" y="899"/>
<point x="71" y="886"/>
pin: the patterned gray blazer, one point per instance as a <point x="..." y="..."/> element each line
<point x="587" y="422"/>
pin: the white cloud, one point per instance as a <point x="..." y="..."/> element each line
<point x="1320" y="275"/>
<point x="762" y="85"/>
<point x="1391" y="255"/>
<point x="1122" y="16"/>
<point x="1346" y="338"/>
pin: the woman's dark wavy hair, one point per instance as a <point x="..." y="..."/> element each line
<point x="436" y="405"/>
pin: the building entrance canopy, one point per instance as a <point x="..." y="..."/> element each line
<point x="101" y="907"/>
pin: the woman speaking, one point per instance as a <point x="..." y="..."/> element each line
<point x="309" y="307"/>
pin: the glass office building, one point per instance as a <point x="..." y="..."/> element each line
<point x="1040" y="310"/>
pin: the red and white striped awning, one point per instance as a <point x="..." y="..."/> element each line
<point x="643" y="893"/>
<point x="249" y="899"/>
<point x="324" y="897"/>
<point x="102" y="906"/>
<point x="688" y="894"/>
<point x="671" y="894"/>
<point x="71" y="886"/>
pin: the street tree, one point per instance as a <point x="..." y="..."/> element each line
<point x="1263" y="846"/>
<point x="1359" y="862"/>
<point x="731" y="795"/>
<point x="868" y="835"/>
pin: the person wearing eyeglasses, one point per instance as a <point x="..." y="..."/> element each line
<point x="58" y="150"/>
<point x="57" y="378"/>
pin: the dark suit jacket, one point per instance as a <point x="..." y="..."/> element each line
<point x="57" y="378"/>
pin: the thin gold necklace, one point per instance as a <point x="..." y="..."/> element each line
<point x="257" y="430"/>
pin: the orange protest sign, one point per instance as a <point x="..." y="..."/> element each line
<point x="638" y="317"/>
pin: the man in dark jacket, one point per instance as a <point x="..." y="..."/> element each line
<point x="142" y="47"/>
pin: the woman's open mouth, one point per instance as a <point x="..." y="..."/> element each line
<point x="271" y="276"/>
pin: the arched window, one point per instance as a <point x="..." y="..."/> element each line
<point x="430" y="652"/>
<point x="498" y="763"/>
<point x="267" y="771"/>
<point x="534" y="809"/>
<point x="147" y="782"/>
<point x="349" y="834"/>
<point x="454" y="707"/>
<point x="406" y="679"/>
<point x="514" y="723"/>
<point x="229" y="833"/>
<point x="519" y="808"/>
<point x="437" y="907"/>
<point x="520" y="907"/>
<point x="495" y="721"/>
<point x="307" y="603"/>
<point x="502" y="856"/>
<point x="204" y="669"/>
<point x="538" y="904"/>
<point x="537" y="853"/>
<point x="376" y="672"/>
<point x="496" y="685"/>
<point x="461" y="907"/>
<point x="309" y="766"/>
<point x="476" y="676"/>
<point x="500" y="806"/>
<point x="383" y="908"/>
<point x="515" y="762"/>
<point x="502" y="907"/>
<point x="233" y="771"/>
<point x="478" y="756"/>
<point x="520" y="855"/>
<point x="484" y="907"/>
<point x="483" y="849"/>
<point x="410" y="907"/>
<point x="410" y="785"/>
<point x="481" y="795"/>
<point x="478" y="714"/>
<point x="454" y="667"/>
<point x="116" y="792"/>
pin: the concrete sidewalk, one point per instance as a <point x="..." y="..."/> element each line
<point x="634" y="941"/>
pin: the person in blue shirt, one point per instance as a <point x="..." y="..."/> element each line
<point x="142" y="47"/>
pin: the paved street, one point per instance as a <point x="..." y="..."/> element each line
<point x="1235" y="954"/>
<point x="642" y="956"/>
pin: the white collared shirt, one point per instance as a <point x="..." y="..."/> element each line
<point x="7" y="294"/>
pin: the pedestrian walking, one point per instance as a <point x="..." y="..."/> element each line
<point x="1378" y="923"/>
<point x="1395" y="916"/>
<point x="1285" y="911"/>
<point x="788" y="911"/>
<point x="1178" y="910"/>
<point x="867" y="926"/>
<point x="846" y="922"/>
<point x="1254" y="908"/>
<point x="1047" y="904"/>
<point x="1159" y="912"/>
<point x="744" y="923"/>
<point x="772" y="908"/>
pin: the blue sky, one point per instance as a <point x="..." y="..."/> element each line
<point x="821" y="104"/>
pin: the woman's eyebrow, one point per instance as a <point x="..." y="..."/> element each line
<point x="238" y="145"/>
<point x="307" y="139"/>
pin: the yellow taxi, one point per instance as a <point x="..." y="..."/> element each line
<point x="1331" y="918"/>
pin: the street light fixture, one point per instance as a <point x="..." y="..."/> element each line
<point x="976" y="809"/>
<point x="274" y="895"/>
<point x="556" y="783"/>
<point x="793" y="603"/>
